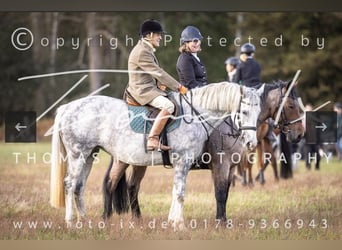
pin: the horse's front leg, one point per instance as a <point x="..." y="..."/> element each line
<point x="178" y="192"/>
<point x="220" y="175"/>
<point x="274" y="165"/>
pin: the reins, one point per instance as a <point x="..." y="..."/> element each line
<point x="194" y="111"/>
<point x="236" y="132"/>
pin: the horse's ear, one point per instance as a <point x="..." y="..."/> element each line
<point x="295" y="79"/>
<point x="261" y="90"/>
<point x="288" y="83"/>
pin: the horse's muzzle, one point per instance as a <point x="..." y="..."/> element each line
<point x="250" y="146"/>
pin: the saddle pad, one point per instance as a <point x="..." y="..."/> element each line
<point x="138" y="115"/>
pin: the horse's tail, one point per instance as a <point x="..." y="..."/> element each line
<point x="115" y="198"/>
<point x="58" y="166"/>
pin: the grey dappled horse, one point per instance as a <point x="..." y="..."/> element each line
<point x="224" y="148"/>
<point x="83" y="126"/>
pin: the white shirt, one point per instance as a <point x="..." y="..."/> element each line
<point x="196" y="56"/>
<point x="231" y="75"/>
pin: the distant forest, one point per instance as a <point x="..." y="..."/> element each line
<point x="63" y="41"/>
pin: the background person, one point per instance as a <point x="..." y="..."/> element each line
<point x="311" y="151"/>
<point x="249" y="70"/>
<point x="231" y="65"/>
<point x="338" y="110"/>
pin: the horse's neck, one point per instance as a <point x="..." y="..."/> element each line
<point x="213" y="118"/>
<point x="270" y="103"/>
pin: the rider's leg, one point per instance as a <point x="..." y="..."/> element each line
<point x="166" y="109"/>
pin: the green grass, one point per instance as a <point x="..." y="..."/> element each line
<point x="289" y="209"/>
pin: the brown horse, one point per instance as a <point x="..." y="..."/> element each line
<point x="262" y="156"/>
<point x="223" y="146"/>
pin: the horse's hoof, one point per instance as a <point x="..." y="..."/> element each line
<point x="69" y="224"/>
<point x="177" y="225"/>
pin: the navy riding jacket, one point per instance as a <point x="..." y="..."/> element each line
<point x="191" y="72"/>
<point x="248" y="73"/>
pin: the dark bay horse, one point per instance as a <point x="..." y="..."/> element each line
<point x="262" y="156"/>
<point x="84" y="126"/>
<point x="263" y="150"/>
<point x="223" y="147"/>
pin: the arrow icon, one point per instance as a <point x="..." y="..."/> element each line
<point x="323" y="126"/>
<point x="18" y="127"/>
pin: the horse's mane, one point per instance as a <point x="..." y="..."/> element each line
<point x="223" y="96"/>
<point x="276" y="84"/>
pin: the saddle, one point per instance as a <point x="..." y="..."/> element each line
<point x="142" y="117"/>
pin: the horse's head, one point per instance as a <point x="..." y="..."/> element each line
<point x="246" y="117"/>
<point x="290" y="121"/>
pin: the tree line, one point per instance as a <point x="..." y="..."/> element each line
<point x="64" y="41"/>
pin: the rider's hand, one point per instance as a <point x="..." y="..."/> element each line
<point x="161" y="86"/>
<point x="183" y="90"/>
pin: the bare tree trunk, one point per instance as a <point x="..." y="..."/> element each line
<point x="45" y="93"/>
<point x="53" y="48"/>
<point x="94" y="52"/>
<point x="37" y="58"/>
<point x="238" y="31"/>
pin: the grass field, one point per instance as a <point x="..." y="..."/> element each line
<point x="308" y="206"/>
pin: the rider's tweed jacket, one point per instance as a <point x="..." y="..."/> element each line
<point x="143" y="86"/>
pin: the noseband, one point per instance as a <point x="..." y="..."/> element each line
<point x="241" y="128"/>
<point x="284" y="124"/>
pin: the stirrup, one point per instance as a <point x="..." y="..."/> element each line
<point x="160" y="146"/>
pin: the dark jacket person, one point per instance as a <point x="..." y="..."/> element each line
<point x="248" y="71"/>
<point x="191" y="70"/>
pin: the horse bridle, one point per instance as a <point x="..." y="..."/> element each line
<point x="283" y="125"/>
<point x="203" y="120"/>
<point x="239" y="112"/>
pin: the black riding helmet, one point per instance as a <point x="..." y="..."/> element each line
<point x="149" y="26"/>
<point x="190" y="33"/>
<point x="232" y="61"/>
<point x="247" y="48"/>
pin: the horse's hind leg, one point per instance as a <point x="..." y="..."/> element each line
<point x="79" y="191"/>
<point x="71" y="181"/>
<point x="134" y="181"/>
<point x="69" y="198"/>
